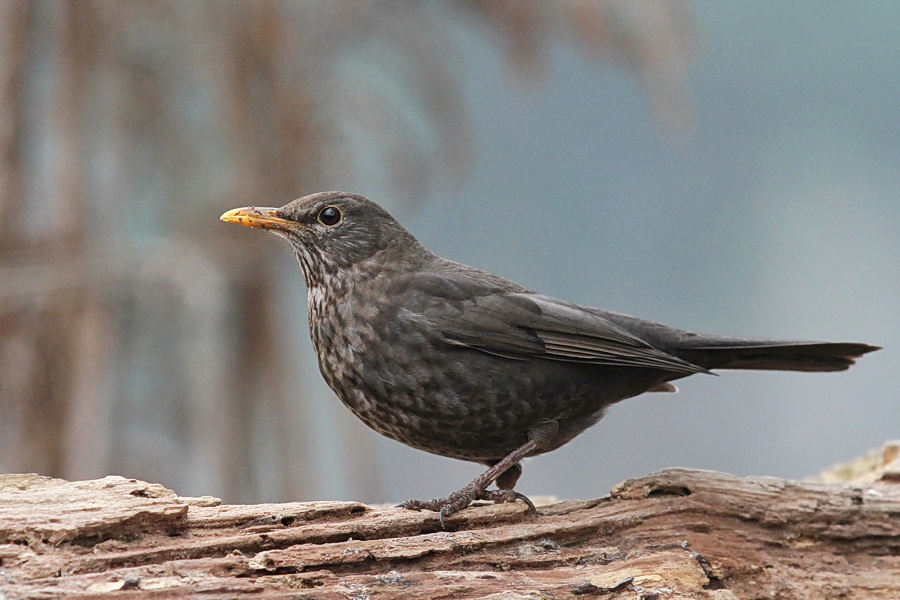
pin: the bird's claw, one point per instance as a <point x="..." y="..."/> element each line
<point x="462" y="498"/>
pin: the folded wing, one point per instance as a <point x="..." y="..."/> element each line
<point x="486" y="316"/>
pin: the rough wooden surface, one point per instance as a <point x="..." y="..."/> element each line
<point x="672" y="534"/>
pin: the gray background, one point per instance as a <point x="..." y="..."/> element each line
<point x="778" y="215"/>
<point x="140" y="336"/>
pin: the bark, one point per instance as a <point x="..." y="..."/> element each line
<point x="673" y="534"/>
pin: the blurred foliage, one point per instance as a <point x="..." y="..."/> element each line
<point x="139" y="337"/>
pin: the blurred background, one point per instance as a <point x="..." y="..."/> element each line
<point x="730" y="168"/>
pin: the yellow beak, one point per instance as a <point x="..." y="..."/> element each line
<point x="261" y="217"/>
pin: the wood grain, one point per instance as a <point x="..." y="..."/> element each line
<point x="673" y="534"/>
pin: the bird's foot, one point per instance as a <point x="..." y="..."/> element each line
<point x="462" y="498"/>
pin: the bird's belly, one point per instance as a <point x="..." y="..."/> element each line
<point x="412" y="387"/>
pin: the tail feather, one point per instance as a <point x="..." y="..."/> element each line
<point x="730" y="353"/>
<point x="717" y="352"/>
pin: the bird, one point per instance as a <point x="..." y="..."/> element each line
<point x="462" y="363"/>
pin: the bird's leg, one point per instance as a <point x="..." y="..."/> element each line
<point x="509" y="477"/>
<point x="477" y="488"/>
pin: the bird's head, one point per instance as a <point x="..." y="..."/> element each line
<point x="332" y="231"/>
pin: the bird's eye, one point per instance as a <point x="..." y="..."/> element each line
<point x="330" y="216"/>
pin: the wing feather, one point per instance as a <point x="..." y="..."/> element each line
<point x="486" y="315"/>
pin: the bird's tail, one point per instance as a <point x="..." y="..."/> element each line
<point x="771" y="355"/>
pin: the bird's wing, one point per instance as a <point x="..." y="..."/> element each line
<point x="469" y="311"/>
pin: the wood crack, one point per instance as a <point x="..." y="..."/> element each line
<point x="673" y="534"/>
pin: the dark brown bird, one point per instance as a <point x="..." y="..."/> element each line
<point x="462" y="363"/>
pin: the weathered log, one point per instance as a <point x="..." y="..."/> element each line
<point x="672" y="534"/>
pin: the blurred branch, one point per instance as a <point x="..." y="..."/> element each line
<point x="652" y="39"/>
<point x="13" y="46"/>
